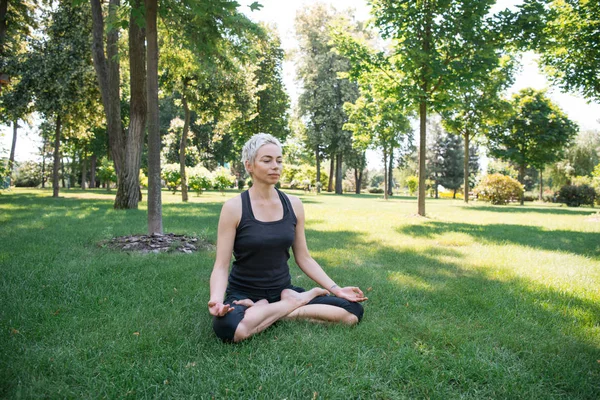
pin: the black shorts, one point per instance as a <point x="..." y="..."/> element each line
<point x="225" y="326"/>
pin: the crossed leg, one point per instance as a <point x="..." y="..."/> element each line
<point x="322" y="313"/>
<point x="262" y="314"/>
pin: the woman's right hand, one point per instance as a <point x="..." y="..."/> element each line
<point x="218" y="309"/>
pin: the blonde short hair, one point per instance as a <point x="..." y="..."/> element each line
<point x="256" y="142"/>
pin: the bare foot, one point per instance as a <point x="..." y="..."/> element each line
<point x="244" y="302"/>
<point x="302" y="298"/>
<point x="250" y="303"/>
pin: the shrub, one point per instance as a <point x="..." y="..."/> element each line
<point x="413" y="183"/>
<point x="376" y="190"/>
<point x="530" y="196"/>
<point x="28" y="174"/>
<point x="172" y="176"/>
<point x="106" y="172"/>
<point x="199" y="179"/>
<point x="498" y="189"/>
<point x="249" y="183"/>
<point x="241" y="183"/>
<point x="4" y="178"/>
<point x="222" y="179"/>
<point x="143" y="179"/>
<point x="576" y="195"/>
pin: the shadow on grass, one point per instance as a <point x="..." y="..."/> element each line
<point x="474" y="325"/>
<point x="533" y="209"/>
<point x="581" y="243"/>
<point x="432" y="325"/>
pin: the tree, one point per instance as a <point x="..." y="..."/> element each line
<point x="16" y="24"/>
<point x="272" y="100"/>
<point x="378" y="122"/>
<point x="479" y="105"/>
<point x="61" y="77"/>
<point x="436" y="44"/>
<point x="570" y="46"/>
<point x="324" y="93"/>
<point x="535" y="133"/>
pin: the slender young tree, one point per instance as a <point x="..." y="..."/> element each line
<point x="432" y="42"/>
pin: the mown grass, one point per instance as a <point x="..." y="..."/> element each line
<point x="472" y="302"/>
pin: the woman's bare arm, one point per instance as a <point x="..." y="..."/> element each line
<point x="228" y="221"/>
<point x="310" y="267"/>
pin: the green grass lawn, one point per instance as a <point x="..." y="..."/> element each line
<point x="474" y="301"/>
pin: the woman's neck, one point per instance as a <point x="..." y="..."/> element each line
<point x="262" y="191"/>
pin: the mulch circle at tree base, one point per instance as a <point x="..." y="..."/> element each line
<point x="158" y="243"/>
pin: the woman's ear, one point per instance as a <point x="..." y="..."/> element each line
<point x="248" y="166"/>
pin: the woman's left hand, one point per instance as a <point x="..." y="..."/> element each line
<point x="350" y="293"/>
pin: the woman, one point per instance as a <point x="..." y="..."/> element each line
<point x="259" y="227"/>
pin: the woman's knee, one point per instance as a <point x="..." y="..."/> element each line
<point x="350" y="319"/>
<point x="226" y="327"/>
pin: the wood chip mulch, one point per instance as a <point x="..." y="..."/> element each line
<point x="158" y="243"/>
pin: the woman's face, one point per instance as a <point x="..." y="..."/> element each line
<point x="267" y="165"/>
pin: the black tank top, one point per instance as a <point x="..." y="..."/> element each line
<point x="262" y="249"/>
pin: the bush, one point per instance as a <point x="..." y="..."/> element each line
<point x="4" y="178"/>
<point x="241" y="183"/>
<point x="576" y="195"/>
<point x="199" y="179"/>
<point x="28" y="174"/>
<point x="530" y="196"/>
<point x="222" y="179"/>
<point x="172" y="176"/>
<point x="376" y="190"/>
<point x="249" y="183"/>
<point x="413" y="183"/>
<point x="498" y="189"/>
<point x="106" y="172"/>
<point x="301" y="176"/>
<point x="143" y="180"/>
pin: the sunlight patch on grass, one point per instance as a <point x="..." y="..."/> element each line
<point x="409" y="281"/>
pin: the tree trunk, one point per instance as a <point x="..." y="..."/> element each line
<point x="318" y="160"/>
<point x="3" y="24"/>
<point x="108" y="73"/>
<point x="154" y="194"/>
<point x="390" y="173"/>
<point x="422" y="147"/>
<point x="11" y="159"/>
<point x="385" y="175"/>
<point x="338" y="175"/>
<point x="62" y="176"/>
<point x="331" y="171"/>
<point x="55" y="188"/>
<point x="356" y="181"/>
<point x="454" y="194"/>
<point x="128" y="182"/>
<point x="466" y="166"/>
<point x="522" y="179"/>
<point x="541" y="186"/>
<point x="183" y="145"/>
<point x="83" y="170"/>
<point x="44" y="162"/>
<point x="93" y="171"/>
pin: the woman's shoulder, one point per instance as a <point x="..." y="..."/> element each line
<point x="295" y="200"/>
<point x="296" y="205"/>
<point x="233" y="206"/>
